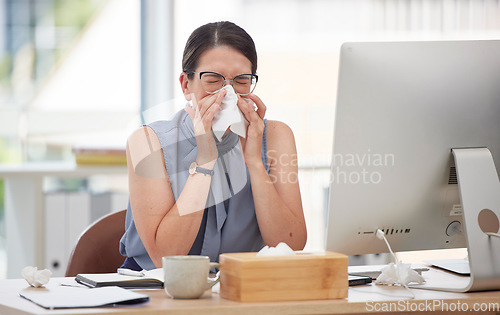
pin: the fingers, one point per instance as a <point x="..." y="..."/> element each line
<point x="210" y="113"/>
<point x="204" y="110"/>
<point x="247" y="107"/>
<point x="261" y="108"/>
<point x="212" y="109"/>
<point x="206" y="103"/>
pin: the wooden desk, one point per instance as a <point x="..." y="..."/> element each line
<point x="361" y="300"/>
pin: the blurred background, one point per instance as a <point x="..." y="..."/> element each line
<point x="80" y="75"/>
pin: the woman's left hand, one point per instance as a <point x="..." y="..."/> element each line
<point x="253" y="142"/>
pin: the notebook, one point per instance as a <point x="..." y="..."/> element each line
<point x="460" y="266"/>
<point x="70" y="297"/>
<point x="152" y="279"/>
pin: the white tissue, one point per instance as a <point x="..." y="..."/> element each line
<point x="390" y="272"/>
<point x="229" y="115"/>
<point x="36" y="278"/>
<point x="282" y="249"/>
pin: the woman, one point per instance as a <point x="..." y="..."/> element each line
<point x="193" y="194"/>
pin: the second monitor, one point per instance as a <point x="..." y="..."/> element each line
<point x="401" y="109"/>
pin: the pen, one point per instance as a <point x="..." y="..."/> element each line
<point x="128" y="272"/>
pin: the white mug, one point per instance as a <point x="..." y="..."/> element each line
<point x="186" y="277"/>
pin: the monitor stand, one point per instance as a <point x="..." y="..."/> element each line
<point x="479" y="190"/>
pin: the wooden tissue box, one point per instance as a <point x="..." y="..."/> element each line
<point x="245" y="277"/>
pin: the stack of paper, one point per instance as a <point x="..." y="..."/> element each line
<point x="69" y="297"/>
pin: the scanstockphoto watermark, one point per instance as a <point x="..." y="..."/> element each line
<point x="431" y="306"/>
<point x="350" y="168"/>
<point x="360" y="168"/>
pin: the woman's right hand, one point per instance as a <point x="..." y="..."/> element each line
<point x="202" y="114"/>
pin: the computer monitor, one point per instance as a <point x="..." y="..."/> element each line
<point x="401" y="109"/>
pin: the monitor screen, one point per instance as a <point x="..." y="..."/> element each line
<point x="401" y="108"/>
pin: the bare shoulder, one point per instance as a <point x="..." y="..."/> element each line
<point x="279" y="132"/>
<point x="144" y="153"/>
<point x="280" y="145"/>
<point x="143" y="136"/>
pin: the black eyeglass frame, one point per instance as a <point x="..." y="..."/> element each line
<point x="225" y="81"/>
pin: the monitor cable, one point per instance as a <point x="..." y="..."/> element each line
<point x="381" y="235"/>
<point x="492" y="234"/>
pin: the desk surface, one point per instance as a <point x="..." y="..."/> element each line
<point x="362" y="299"/>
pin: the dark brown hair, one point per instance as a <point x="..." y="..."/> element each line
<point x="216" y="34"/>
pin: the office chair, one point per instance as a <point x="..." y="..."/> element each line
<point x="97" y="248"/>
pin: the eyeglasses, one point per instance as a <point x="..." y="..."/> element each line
<point x="212" y="82"/>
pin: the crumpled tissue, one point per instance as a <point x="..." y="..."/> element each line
<point x="390" y="272"/>
<point x="229" y="115"/>
<point x="282" y="249"/>
<point x="36" y="278"/>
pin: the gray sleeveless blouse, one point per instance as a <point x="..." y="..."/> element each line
<point x="229" y="222"/>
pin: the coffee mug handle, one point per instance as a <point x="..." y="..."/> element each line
<point x="213" y="281"/>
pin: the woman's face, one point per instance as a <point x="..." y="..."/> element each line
<point x="223" y="60"/>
